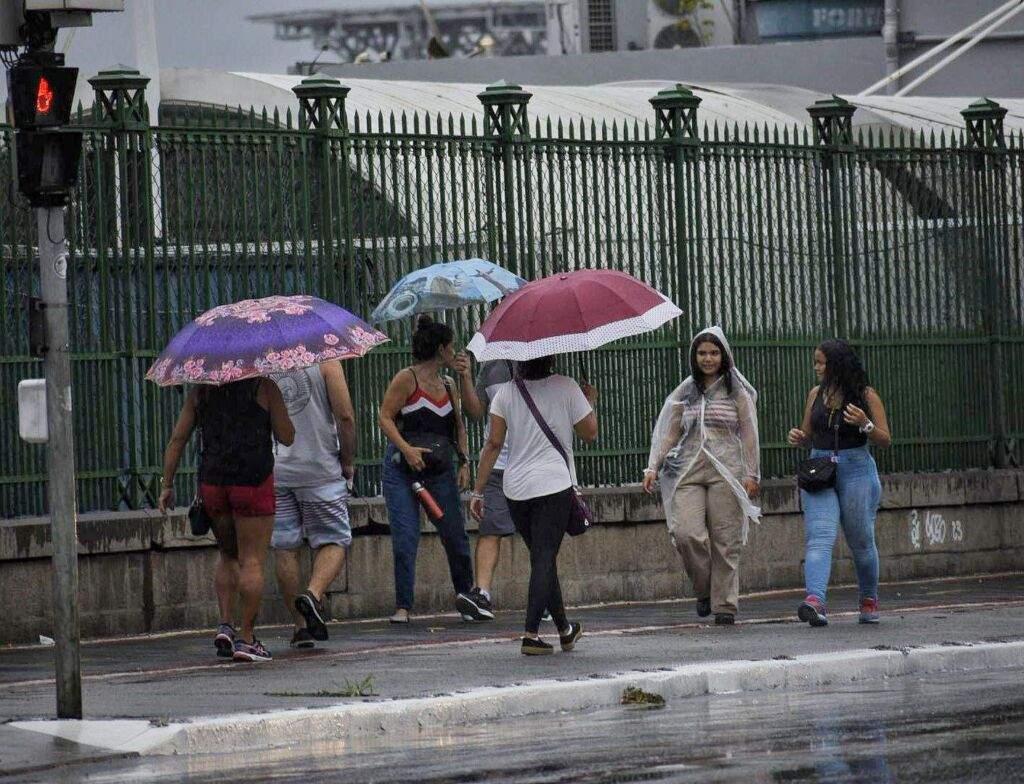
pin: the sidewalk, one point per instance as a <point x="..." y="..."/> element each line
<point x="177" y="677"/>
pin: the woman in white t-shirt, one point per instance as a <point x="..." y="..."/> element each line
<point x="537" y="481"/>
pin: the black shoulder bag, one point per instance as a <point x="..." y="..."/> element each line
<point x="580" y="516"/>
<point x="815" y="474"/>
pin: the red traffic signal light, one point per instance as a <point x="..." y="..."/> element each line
<point x="44" y="97"/>
<point x="41" y="96"/>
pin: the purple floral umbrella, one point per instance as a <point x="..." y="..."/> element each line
<point x="257" y="337"/>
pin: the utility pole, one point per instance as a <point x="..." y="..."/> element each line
<point x="41" y="91"/>
<point x="60" y="459"/>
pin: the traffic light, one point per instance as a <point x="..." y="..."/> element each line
<point x="46" y="155"/>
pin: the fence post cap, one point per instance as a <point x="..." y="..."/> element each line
<point x="118" y="78"/>
<point x="503" y="92"/>
<point x="984" y="109"/>
<point x="678" y="96"/>
<point x="832" y="107"/>
<point x="320" y="86"/>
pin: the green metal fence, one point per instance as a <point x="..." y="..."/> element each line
<point x="911" y="247"/>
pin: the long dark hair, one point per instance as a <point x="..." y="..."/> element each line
<point x="698" y="374"/>
<point x="844" y="372"/>
<point x="541" y="367"/>
<point x="429" y="338"/>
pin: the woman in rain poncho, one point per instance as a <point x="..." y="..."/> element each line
<point x="705" y="451"/>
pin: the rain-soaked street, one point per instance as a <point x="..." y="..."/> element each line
<point x="950" y="727"/>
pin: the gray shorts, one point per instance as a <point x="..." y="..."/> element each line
<point x="497" y="518"/>
<point x="318" y="515"/>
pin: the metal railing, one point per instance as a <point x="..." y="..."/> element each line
<point x="910" y="247"/>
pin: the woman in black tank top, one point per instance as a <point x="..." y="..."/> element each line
<point x="421" y="408"/>
<point x="237" y="423"/>
<point x="842" y="416"/>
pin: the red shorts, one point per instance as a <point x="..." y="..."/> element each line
<point x="239" y="500"/>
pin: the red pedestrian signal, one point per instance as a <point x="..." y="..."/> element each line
<point x="44" y="97"/>
<point x="41" y="96"/>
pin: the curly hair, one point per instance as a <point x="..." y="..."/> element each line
<point x="844" y="371"/>
<point x="429" y="337"/>
<point x="698" y="374"/>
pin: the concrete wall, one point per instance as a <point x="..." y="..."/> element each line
<point x="141" y="572"/>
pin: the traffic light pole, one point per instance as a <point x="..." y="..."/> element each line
<point x="60" y="460"/>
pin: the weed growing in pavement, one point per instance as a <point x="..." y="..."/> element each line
<point x="633" y="695"/>
<point x="363" y="688"/>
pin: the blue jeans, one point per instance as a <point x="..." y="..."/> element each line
<point x="404" y="517"/>
<point x="852" y="503"/>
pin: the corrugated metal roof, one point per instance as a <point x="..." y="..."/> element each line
<point x="756" y="104"/>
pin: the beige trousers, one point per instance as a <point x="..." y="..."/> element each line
<point x="707" y="529"/>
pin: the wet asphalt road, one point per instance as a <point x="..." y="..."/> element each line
<point x="933" y="729"/>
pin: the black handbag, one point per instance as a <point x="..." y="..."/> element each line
<point x="436" y="462"/>
<point x="815" y="474"/>
<point x="580" y="516"/>
<point x="199" y="521"/>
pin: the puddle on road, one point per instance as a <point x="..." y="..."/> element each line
<point x="961" y="727"/>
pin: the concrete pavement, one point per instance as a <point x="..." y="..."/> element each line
<point x="174" y="678"/>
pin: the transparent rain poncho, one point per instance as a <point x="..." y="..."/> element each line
<point x="684" y="432"/>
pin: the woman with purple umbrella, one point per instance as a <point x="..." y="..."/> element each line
<point x="237" y="423"/>
<point x="238" y="413"/>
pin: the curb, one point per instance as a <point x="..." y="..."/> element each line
<point x="247" y="732"/>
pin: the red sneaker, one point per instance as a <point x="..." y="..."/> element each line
<point x="813" y="611"/>
<point x="869" y="611"/>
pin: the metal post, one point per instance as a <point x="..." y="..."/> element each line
<point x="675" y="111"/>
<point x="60" y="460"/>
<point x="984" y="121"/>
<point x="322" y="111"/>
<point x="833" y="131"/>
<point x="505" y="121"/>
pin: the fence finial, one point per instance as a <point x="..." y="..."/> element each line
<point x="505" y="110"/>
<point x="984" y="120"/>
<point x="833" y="121"/>
<point x="322" y="104"/>
<point x="675" y="110"/>
<point x="121" y="97"/>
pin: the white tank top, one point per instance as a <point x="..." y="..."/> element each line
<point x="314" y="457"/>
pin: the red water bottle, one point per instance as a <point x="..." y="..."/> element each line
<point x="427" y="500"/>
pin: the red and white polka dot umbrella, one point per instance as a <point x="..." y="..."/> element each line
<point x="570" y="311"/>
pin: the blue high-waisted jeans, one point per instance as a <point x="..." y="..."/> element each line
<point x="404" y="517"/>
<point x="852" y="503"/>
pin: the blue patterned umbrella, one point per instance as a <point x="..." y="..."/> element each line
<point x="452" y="284"/>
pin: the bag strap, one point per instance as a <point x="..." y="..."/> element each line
<point x="521" y="385"/>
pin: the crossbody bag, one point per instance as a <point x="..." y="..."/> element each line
<point x="815" y="474"/>
<point x="580" y="516"/>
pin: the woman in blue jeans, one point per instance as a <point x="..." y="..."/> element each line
<point x="842" y="414"/>
<point x="422" y="420"/>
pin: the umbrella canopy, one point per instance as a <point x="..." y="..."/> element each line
<point x="451" y="284"/>
<point x="257" y="337"/>
<point x="572" y="311"/>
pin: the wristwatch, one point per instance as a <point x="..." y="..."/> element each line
<point x="867" y="427"/>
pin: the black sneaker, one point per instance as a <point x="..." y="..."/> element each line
<point x="569" y="640"/>
<point x="724" y="619"/>
<point x="703" y="608"/>
<point x="312" y="609"/>
<point x="536" y="647"/>
<point x="302" y="639"/>
<point x="474" y="605"/>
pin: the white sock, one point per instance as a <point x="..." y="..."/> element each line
<point x="485" y="594"/>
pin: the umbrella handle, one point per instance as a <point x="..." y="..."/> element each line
<point x="584" y="376"/>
